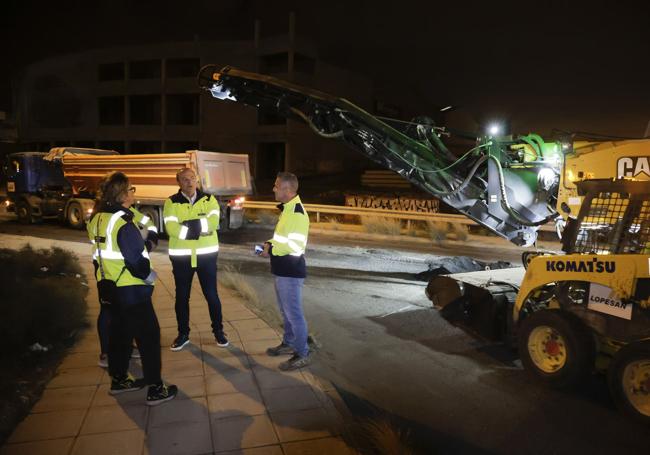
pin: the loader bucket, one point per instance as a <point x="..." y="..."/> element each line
<point x="482" y="310"/>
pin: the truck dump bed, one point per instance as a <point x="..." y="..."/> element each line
<point x="154" y="175"/>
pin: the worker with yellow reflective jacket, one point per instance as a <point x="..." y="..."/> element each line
<point x="125" y="279"/>
<point x="150" y="235"/>
<point x="191" y="220"/>
<point x="287" y="252"/>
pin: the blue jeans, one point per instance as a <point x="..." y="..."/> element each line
<point x="289" y="293"/>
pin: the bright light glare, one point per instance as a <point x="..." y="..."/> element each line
<point x="546" y="178"/>
<point x="446" y="108"/>
<point x="494" y="129"/>
<point x="217" y="91"/>
<point x="237" y="202"/>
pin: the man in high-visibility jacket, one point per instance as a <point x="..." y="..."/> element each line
<point x="191" y="220"/>
<point x="287" y="252"/>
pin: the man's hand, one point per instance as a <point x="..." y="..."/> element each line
<point x="265" y="253"/>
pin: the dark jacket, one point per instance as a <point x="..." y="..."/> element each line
<point x="131" y="245"/>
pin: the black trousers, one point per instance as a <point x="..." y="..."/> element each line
<point x="206" y="269"/>
<point x="133" y="316"/>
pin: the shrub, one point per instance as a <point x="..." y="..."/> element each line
<point x="375" y="436"/>
<point x="333" y="224"/>
<point x="440" y="230"/>
<point x="268" y="218"/>
<point x="42" y="297"/>
<point x="460" y="231"/>
<point x="380" y="225"/>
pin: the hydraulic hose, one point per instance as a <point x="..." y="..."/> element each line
<point x="299" y="113"/>
<point x="465" y="182"/>
<point x="438" y="192"/>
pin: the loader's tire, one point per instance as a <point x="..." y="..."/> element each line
<point x="628" y="377"/>
<point x="75" y="216"/>
<point x="556" y="348"/>
<point x="23" y="212"/>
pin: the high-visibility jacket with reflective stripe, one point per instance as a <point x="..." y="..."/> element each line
<point x="290" y="235"/>
<point x="102" y="231"/>
<point x="141" y="219"/>
<point x="177" y="210"/>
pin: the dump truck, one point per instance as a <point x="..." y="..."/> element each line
<point x="63" y="183"/>
<point x="569" y="313"/>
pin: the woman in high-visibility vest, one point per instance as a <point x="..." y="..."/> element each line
<point x="104" y="316"/>
<point x="125" y="283"/>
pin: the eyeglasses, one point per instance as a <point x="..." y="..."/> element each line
<point x="132" y="189"/>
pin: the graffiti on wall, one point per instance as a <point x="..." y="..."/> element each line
<point x="406" y="203"/>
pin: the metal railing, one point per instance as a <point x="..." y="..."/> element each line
<point x="385" y="213"/>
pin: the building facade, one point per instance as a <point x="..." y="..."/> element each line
<point x="145" y="99"/>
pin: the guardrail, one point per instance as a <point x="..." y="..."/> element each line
<point x="363" y="211"/>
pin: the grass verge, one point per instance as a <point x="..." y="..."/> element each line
<point x="232" y="278"/>
<point x="43" y="304"/>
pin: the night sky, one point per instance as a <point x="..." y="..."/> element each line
<point x="576" y="66"/>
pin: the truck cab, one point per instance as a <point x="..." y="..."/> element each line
<point x="36" y="188"/>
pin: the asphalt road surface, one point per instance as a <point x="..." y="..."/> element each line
<point x="393" y="357"/>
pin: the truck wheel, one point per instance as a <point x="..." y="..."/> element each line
<point x="75" y="216"/>
<point x="556" y="348"/>
<point x="628" y="377"/>
<point x="224" y="219"/>
<point x="23" y="212"/>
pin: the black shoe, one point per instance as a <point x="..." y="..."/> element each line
<point x="180" y="342"/>
<point x="295" y="362"/>
<point x="126" y="384"/>
<point x="158" y="394"/>
<point x="222" y="341"/>
<point x="281" y="349"/>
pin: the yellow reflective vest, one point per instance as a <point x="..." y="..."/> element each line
<point x="141" y="219"/>
<point x="178" y="211"/>
<point x="290" y="235"/>
<point x="102" y="231"/>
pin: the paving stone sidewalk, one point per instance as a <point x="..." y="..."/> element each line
<point x="231" y="400"/>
